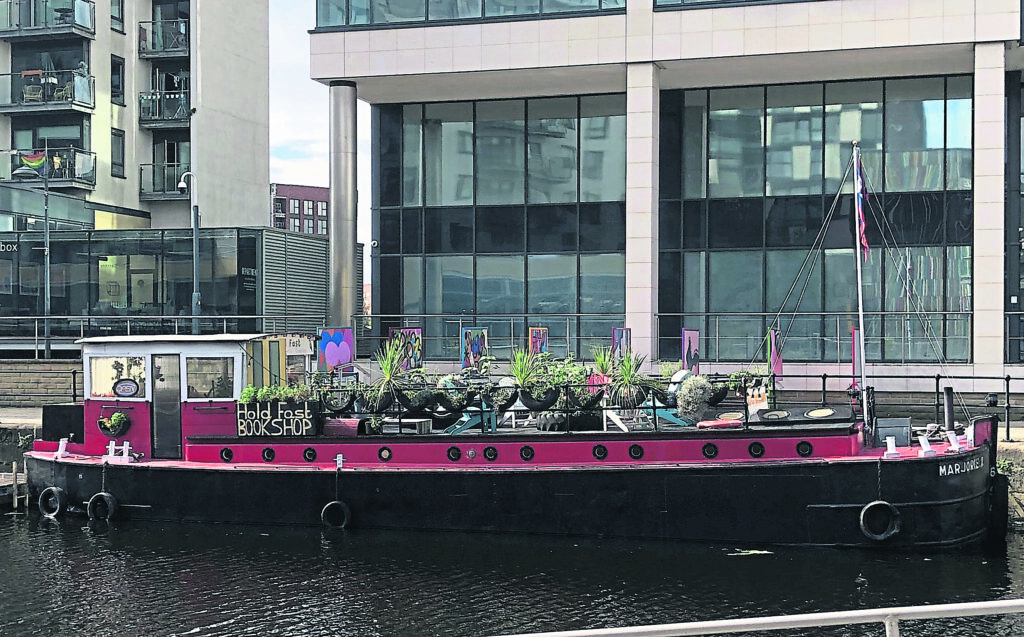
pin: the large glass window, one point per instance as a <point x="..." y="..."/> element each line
<point x="602" y="284"/>
<point x="602" y="148"/>
<point x="794" y="138"/>
<point x="959" y="140"/>
<point x="915" y="132"/>
<point x="552" y="284"/>
<point x="500" y="285"/>
<point x="736" y="143"/>
<point x="448" y="145"/>
<point x="412" y="155"/>
<point x="551" y="143"/>
<point x="210" y="377"/>
<point x="501" y="158"/>
<point x="853" y="113"/>
<point x="450" y="281"/>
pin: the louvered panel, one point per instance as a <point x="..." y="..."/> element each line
<point x="306" y="285"/>
<point x="275" y="274"/>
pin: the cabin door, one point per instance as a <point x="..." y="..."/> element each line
<point x="166" y="406"/>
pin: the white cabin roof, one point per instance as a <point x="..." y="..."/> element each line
<point x="170" y="338"/>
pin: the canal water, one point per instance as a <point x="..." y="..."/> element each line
<point x="73" y="578"/>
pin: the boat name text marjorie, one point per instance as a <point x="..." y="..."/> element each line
<point x="275" y="419"/>
<point x="962" y="466"/>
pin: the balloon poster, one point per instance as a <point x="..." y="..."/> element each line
<point x="412" y="338"/>
<point x="336" y="350"/>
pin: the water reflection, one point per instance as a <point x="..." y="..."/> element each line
<point x="70" y="578"/>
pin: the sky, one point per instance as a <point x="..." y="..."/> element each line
<point x="298" y="110"/>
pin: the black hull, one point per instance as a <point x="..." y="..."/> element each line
<point x="801" y="503"/>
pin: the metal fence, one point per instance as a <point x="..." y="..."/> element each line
<point x="890" y="618"/>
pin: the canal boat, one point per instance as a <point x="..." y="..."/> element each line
<point x="161" y="435"/>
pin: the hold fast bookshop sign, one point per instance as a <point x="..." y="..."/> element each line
<point x="276" y="419"/>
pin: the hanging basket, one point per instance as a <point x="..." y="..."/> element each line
<point x="455" y="400"/>
<point x="114" y="426"/>
<point x="538" y="403"/>
<point x="501" y="398"/>
<point x="417" y="402"/>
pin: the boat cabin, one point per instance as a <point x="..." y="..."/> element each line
<point x="154" y="391"/>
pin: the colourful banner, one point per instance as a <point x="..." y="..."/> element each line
<point x="538" y="340"/>
<point x="620" y="341"/>
<point x="474" y="346"/>
<point x="336" y="349"/>
<point x="412" y="339"/>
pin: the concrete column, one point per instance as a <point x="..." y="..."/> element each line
<point x="989" y="222"/>
<point x="342" y="293"/>
<point x="642" y="206"/>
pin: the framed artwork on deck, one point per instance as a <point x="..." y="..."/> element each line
<point x="412" y="338"/>
<point x="538" y="340"/>
<point x="474" y="346"/>
<point x="620" y="342"/>
<point x="691" y="351"/>
<point x="336" y="349"/>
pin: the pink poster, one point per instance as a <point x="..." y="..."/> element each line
<point x="336" y="349"/>
<point x="691" y="350"/>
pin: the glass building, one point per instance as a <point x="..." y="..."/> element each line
<point x="669" y="165"/>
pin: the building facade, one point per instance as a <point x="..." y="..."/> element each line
<point x="663" y="165"/>
<point x="299" y="208"/>
<point x="112" y="102"/>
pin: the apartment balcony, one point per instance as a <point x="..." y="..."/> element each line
<point x="159" y="182"/>
<point x="163" y="39"/>
<point x="38" y="91"/>
<point x="64" y="167"/>
<point x="164" y="109"/>
<point x="46" y="19"/>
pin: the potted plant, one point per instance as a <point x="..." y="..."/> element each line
<point x="268" y="394"/>
<point x="248" y="395"/>
<point x="693" y="398"/>
<point x="629" y="385"/>
<point x="390" y="359"/>
<point x="501" y="395"/>
<point x="453" y="393"/>
<point x="531" y="373"/>
<point x="116" y="425"/>
<point x="584" y="390"/>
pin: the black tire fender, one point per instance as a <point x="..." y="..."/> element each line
<point x="102" y="506"/>
<point x="52" y="502"/>
<point x="335" y="514"/>
<point x="889" y="513"/>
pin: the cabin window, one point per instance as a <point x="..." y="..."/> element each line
<point x="107" y="371"/>
<point x="210" y="377"/>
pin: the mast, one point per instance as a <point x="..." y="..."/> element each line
<point x="860" y="242"/>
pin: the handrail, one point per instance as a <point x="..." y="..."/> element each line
<point x="889" y="617"/>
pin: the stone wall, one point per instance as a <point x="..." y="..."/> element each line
<point x="33" y="383"/>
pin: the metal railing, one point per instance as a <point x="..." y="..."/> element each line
<point x="163" y="38"/>
<point x="37" y="89"/>
<point x="63" y="164"/>
<point x="161" y="107"/>
<point x="823" y="337"/>
<point x="161" y="180"/>
<point x="53" y="15"/>
<point x="890" y="618"/>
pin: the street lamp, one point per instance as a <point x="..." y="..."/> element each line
<point x="190" y="186"/>
<point x="27" y="173"/>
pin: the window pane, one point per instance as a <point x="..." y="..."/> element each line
<point x="959" y="218"/>
<point x="737" y="277"/>
<point x="694" y="282"/>
<point x="454" y="9"/>
<point x="793" y="281"/>
<point x="670" y="135"/>
<point x="603" y="227"/>
<point x="915" y="131"/>
<point x="499" y="285"/>
<point x="412" y="285"/>
<point x="552" y="284"/>
<point x="511" y="7"/>
<point x="559" y="6"/>
<point x="853" y="112"/>
<point x="959" y="126"/>
<point x="695" y="144"/>
<point x="389" y="154"/>
<point x="210" y="377"/>
<point x="914" y="219"/>
<point x="500" y="229"/>
<point x="736" y="140"/>
<point x="552" y="150"/>
<point x="669" y="279"/>
<point x="603" y="148"/>
<point x="450" y="281"/>
<point x="105" y="371"/>
<point x="794" y="129"/>
<point x="448" y="230"/>
<point x="551" y="228"/>
<point x="841" y="282"/>
<point x="500" y="156"/>
<point x="412" y="231"/>
<point x="390" y="234"/>
<point x="670" y="225"/>
<point x="603" y="283"/>
<point x="412" y="165"/>
<point x="793" y="221"/>
<point x="399" y="11"/>
<point x="448" y="151"/>
<point x="736" y="223"/>
<point x="329" y="13"/>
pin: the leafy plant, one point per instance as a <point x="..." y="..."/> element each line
<point x="248" y="395"/>
<point x="268" y="393"/>
<point x="668" y="368"/>
<point x="526" y="368"/>
<point x="629" y="385"/>
<point x="299" y="393"/>
<point x="604" y="362"/>
<point x="25" y="441"/>
<point x="115" y="425"/>
<point x="390" y="359"/>
<point x="693" y="397"/>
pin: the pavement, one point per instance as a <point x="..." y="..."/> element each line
<point x="19" y="417"/>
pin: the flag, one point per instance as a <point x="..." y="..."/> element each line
<point x="860" y="197"/>
<point x="34" y="161"/>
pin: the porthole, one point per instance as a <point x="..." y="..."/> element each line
<point x="804" y="449"/>
<point x="454" y="454"/>
<point x="756" y="450"/>
<point x="309" y="454"/>
<point x="268" y="454"/>
<point x="490" y="454"/>
<point x="710" y="450"/>
<point x="600" y="452"/>
<point x="526" y="453"/>
<point x="226" y="454"/>
<point x="384" y="454"/>
<point x="636" y="452"/>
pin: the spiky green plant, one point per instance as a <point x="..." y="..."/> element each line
<point x="390" y="359"/>
<point x="604" y="362"/>
<point x="629" y="384"/>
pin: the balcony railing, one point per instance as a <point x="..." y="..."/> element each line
<point x="357" y="13"/>
<point x="160" y="181"/>
<point x="65" y="167"/>
<point x="163" y="109"/>
<point x="38" y="90"/>
<point x="19" y="18"/>
<point x="163" y="38"/>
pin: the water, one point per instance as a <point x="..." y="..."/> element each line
<point x="188" y="579"/>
